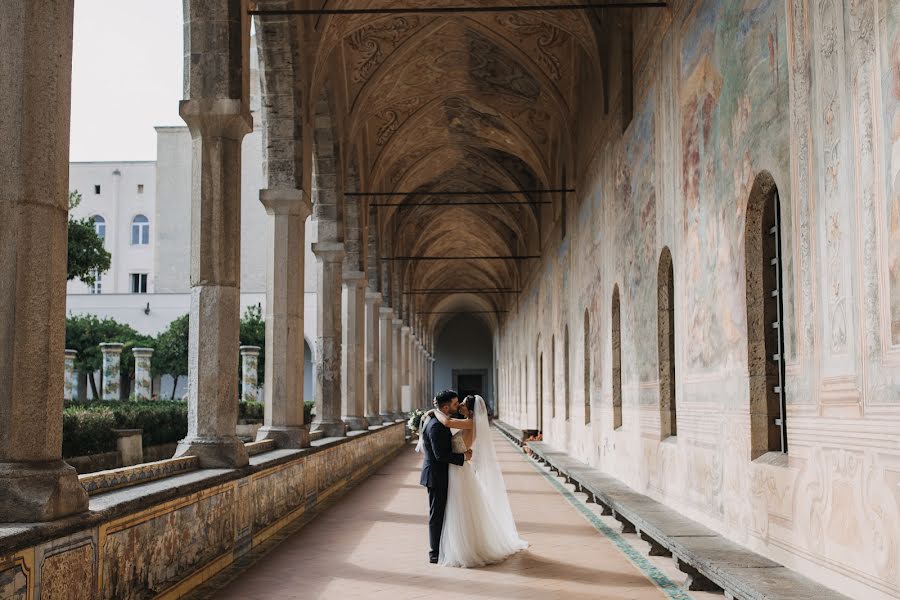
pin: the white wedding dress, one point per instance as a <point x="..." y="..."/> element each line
<point x="479" y="528"/>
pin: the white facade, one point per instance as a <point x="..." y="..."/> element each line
<point x="118" y="193"/>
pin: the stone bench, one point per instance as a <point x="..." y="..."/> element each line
<point x="515" y="434"/>
<point x="710" y="561"/>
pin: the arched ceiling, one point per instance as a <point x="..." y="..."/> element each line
<point x="471" y="102"/>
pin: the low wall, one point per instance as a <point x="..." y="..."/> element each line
<point x="164" y="538"/>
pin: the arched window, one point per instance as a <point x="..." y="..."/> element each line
<point x="566" y="372"/>
<point x="765" y="319"/>
<point x="140" y="231"/>
<point x="553" y="376"/>
<point x="616" y="358"/>
<point x="665" y="334"/>
<point x="587" y="368"/>
<point x="99" y="226"/>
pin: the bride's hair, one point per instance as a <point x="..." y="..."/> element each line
<point x="470" y="404"/>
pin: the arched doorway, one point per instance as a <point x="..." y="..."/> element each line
<point x="464" y="358"/>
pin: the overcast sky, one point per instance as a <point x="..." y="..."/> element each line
<point x="126" y="77"/>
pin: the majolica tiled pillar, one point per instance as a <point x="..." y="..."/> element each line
<point x="70" y="382"/>
<point x="250" y="373"/>
<point x="112" y="374"/>
<point x="143" y="378"/>
<point x="287" y="211"/>
<point x="35" y="94"/>
<point x="217" y="112"/>
<point x="373" y="362"/>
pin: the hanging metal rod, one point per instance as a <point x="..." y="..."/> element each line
<point x="441" y="204"/>
<point x="460" y="291"/>
<point x="447" y="10"/>
<point x="461" y="312"/>
<point x="395" y="258"/>
<point x="475" y="193"/>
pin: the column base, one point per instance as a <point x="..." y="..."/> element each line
<point x="285" y="437"/>
<point x="375" y="420"/>
<point x="386" y="418"/>
<point x="330" y="428"/>
<point x="215" y="453"/>
<point x="356" y="423"/>
<point x="400" y="416"/>
<point x="39" y="492"/>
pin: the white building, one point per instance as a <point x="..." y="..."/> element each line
<point x="143" y="212"/>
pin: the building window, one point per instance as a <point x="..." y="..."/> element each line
<point x="140" y="231"/>
<point x="97" y="189"/>
<point x="587" y="368"/>
<point x="99" y="226"/>
<point x="138" y="283"/>
<point x="616" y="358"/>
<point x="97" y="288"/>
<point x="765" y="319"/>
<point x="566" y="372"/>
<point x="140" y="188"/>
<point x="665" y="333"/>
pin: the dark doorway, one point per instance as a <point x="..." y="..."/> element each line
<point x="469" y="382"/>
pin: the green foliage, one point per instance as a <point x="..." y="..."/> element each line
<point x="86" y="255"/>
<point x="138" y="341"/>
<point x="89" y="428"/>
<point x="309" y="411"/>
<point x="171" y="356"/>
<point x="85" y="333"/>
<point x="253" y="333"/>
<point x="251" y="411"/>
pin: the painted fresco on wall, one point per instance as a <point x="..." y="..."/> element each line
<point x="636" y="240"/>
<point x="891" y="88"/>
<point x="728" y="125"/>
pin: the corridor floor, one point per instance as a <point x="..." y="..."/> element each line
<point x="372" y="543"/>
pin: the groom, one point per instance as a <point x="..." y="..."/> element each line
<point x="436" y="467"/>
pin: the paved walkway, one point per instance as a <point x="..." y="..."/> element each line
<point x="372" y="543"/>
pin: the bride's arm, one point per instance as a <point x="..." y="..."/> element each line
<point x="453" y="423"/>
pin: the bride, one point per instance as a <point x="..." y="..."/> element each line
<point x="478" y="528"/>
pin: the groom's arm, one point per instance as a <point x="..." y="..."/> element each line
<point x="440" y="444"/>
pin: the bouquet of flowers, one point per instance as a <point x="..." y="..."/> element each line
<point x="415" y="420"/>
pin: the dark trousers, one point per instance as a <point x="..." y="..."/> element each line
<point x="437" y="503"/>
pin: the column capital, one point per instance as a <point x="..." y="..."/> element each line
<point x="397" y="323"/>
<point x="71" y="353"/>
<point x="286" y="201"/>
<point x="111" y="347"/>
<point x="373" y="297"/>
<point x="405" y="330"/>
<point x="223" y="117"/>
<point x="329" y="251"/>
<point x="354" y="278"/>
<point x="141" y="352"/>
<point x="386" y="313"/>
<point x="250" y="350"/>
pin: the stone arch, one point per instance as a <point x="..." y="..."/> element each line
<point x="665" y="335"/>
<point x="765" y="318"/>
<point x="616" y="358"/>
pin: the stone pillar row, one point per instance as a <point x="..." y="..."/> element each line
<point x="353" y="363"/>
<point x="329" y="261"/>
<point x="373" y="361"/>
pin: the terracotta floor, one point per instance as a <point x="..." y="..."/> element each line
<point x="372" y="543"/>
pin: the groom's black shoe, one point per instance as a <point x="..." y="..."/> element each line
<point x="433" y="561"/>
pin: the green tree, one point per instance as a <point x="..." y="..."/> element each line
<point x="253" y="333"/>
<point x="87" y="258"/>
<point x="171" y="356"/>
<point x="85" y="333"/>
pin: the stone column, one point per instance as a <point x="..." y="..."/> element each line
<point x="217" y="113"/>
<point x="373" y="363"/>
<point x="329" y="259"/>
<point x="397" y="364"/>
<point x="70" y="382"/>
<point x="287" y="212"/>
<point x="112" y="377"/>
<point x="403" y="399"/>
<point x="353" y="352"/>
<point x="250" y="373"/>
<point x="35" y="93"/>
<point x="386" y="316"/>
<point x="143" y="378"/>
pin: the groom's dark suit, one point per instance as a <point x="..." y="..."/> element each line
<point x="436" y="477"/>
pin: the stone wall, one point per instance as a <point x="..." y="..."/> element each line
<point x="139" y="543"/>
<point x="804" y="92"/>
